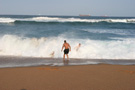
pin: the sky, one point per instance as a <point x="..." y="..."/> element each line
<point x="68" y="7"/>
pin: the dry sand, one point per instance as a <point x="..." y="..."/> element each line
<point x="89" y="77"/>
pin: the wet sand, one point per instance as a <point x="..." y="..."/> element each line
<point x="86" y="77"/>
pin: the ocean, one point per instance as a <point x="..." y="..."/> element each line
<point x="109" y="40"/>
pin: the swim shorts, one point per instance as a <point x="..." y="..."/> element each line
<point x="66" y="51"/>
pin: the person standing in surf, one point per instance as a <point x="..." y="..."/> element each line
<point x="66" y="50"/>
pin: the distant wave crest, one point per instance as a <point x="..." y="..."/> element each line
<point x="7" y="20"/>
<point x="62" y="20"/>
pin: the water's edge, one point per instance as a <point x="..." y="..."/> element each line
<point x="17" y="61"/>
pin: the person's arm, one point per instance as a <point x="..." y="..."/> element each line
<point x="62" y="47"/>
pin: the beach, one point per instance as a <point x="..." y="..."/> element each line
<point x="81" y="77"/>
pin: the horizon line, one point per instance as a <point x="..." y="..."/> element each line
<point x="66" y="15"/>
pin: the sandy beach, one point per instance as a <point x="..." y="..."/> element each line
<point x="86" y="77"/>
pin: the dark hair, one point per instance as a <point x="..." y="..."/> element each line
<point x="64" y="41"/>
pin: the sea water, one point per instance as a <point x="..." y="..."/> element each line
<point x="102" y="38"/>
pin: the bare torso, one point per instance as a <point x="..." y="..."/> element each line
<point x="66" y="45"/>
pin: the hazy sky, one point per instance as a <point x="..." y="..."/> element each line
<point x="68" y="7"/>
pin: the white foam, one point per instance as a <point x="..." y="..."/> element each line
<point x="56" y="19"/>
<point x="45" y="19"/>
<point x="50" y="19"/>
<point x="6" y="20"/>
<point x="90" y="49"/>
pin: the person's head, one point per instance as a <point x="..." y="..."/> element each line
<point x="64" y="41"/>
<point x="79" y="44"/>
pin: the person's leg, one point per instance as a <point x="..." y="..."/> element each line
<point x="67" y="57"/>
<point x="64" y="57"/>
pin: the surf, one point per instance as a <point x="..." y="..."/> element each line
<point x="64" y="20"/>
<point x="14" y="45"/>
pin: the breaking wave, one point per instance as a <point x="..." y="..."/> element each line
<point x="7" y="20"/>
<point x="62" y="20"/>
<point x="90" y="49"/>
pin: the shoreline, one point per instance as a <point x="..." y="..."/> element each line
<point x="81" y="77"/>
<point x="19" y="61"/>
<point x="31" y="57"/>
